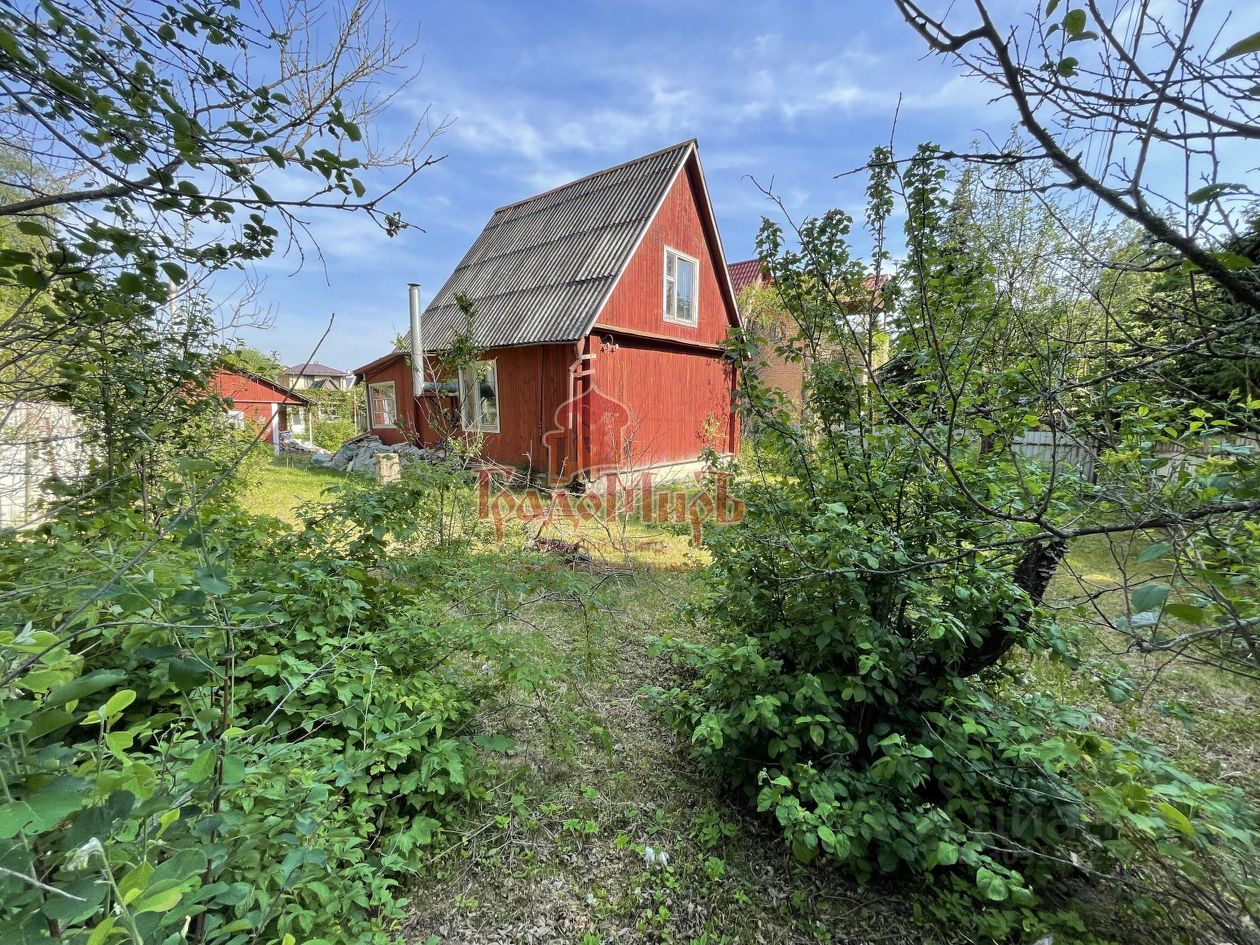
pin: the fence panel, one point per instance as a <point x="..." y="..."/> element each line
<point x="37" y="442"/>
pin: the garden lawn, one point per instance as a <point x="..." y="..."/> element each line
<point x="283" y="483"/>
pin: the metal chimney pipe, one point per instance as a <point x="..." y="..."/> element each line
<point x="417" y="341"/>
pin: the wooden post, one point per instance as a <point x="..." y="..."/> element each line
<point x="275" y="428"/>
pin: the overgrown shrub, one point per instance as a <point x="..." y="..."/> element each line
<point x="248" y="733"/>
<point x="860" y="689"/>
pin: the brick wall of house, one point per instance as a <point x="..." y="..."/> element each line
<point x="787" y="376"/>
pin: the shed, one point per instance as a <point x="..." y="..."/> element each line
<point x="257" y="401"/>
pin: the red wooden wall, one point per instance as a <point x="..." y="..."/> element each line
<point x="678" y="394"/>
<point x="678" y="401"/>
<point x="533" y="382"/>
<point x="253" y="398"/>
<point x="398" y="371"/>
<point x="637" y="303"/>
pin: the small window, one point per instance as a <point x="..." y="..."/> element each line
<point x="681" y="273"/>
<point x="479" y="397"/>
<point x="236" y="418"/>
<point x="383" y="406"/>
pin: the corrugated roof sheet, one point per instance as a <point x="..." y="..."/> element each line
<point x="541" y="267"/>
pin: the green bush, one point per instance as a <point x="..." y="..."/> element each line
<point x="841" y="698"/>
<point x="873" y="614"/>
<point x="251" y="732"/>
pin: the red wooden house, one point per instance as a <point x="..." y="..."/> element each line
<point x="600" y="306"/>
<point x="257" y="401"/>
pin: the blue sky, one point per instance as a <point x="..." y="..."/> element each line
<point x="536" y="94"/>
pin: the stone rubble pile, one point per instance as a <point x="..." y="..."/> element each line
<point x="359" y="454"/>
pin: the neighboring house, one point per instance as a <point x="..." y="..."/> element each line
<point x="257" y="401"/>
<point x="601" y="306"/>
<point x="774" y="369"/>
<point x="316" y="376"/>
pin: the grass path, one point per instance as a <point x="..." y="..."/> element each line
<point x="596" y="780"/>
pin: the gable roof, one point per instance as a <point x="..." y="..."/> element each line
<point x="377" y="363"/>
<point x="315" y="369"/>
<point x="542" y="269"/>
<point x="286" y="396"/>
<point x="746" y="273"/>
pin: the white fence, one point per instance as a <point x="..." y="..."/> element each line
<point x="38" y="441"/>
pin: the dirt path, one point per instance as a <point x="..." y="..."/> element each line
<point x="560" y="853"/>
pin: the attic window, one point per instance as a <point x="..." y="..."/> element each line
<point x="479" y="397"/>
<point x="680" y="287"/>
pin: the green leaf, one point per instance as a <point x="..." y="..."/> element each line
<point x="54" y="802"/>
<point x="33" y="228"/>
<point x="1067" y="67"/>
<point x="1234" y="260"/>
<point x="991" y="885"/>
<point x="134" y="883"/>
<point x="211" y="582"/>
<point x="186" y="674"/>
<point x="1149" y="596"/>
<point x="50" y="721"/>
<point x="14" y="818"/>
<point x="84" y="686"/>
<point x="203" y="767"/>
<point x="1241" y="48"/>
<point x="1051" y="7"/>
<point x="1186" y="612"/>
<point x="1212" y="191"/>
<point x="130" y="282"/>
<point x="1157" y="550"/>
<point x="1073" y="23"/>
<point x="161" y="901"/>
<point x="1175" y="818"/>
<point x="174" y="272"/>
<point x="946" y="853"/>
<point x="118" y="701"/>
<point x="101" y="932"/>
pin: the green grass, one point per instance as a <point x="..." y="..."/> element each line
<point x="1205" y="718"/>
<point x="283" y="484"/>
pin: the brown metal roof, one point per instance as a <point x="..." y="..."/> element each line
<point x="746" y="273"/>
<point x="542" y="268"/>
<point x="377" y="363"/>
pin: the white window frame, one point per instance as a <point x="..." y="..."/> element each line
<point x="475" y="425"/>
<point x="393" y="396"/>
<point x="236" y="419"/>
<point x="670" y="289"/>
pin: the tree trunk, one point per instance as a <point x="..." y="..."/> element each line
<point x="1032" y="575"/>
